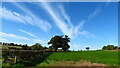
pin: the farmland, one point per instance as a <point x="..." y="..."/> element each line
<point x="6" y="47"/>
<point x="34" y="58"/>
<point x="48" y="57"/>
<point x="109" y="58"/>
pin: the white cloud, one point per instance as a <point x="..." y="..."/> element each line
<point x="60" y="17"/>
<point x="30" y="18"/>
<point x="56" y="18"/>
<point x="13" y="36"/>
<point x="38" y="41"/>
<point x="96" y="11"/>
<point x="44" y="25"/>
<point x="62" y="20"/>
<point x="65" y="16"/>
<point x="87" y="34"/>
<point x="10" y="15"/>
<point x="28" y="33"/>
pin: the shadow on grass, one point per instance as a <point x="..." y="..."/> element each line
<point x="36" y="60"/>
<point x="24" y="57"/>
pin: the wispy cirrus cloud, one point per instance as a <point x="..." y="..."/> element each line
<point x="42" y="24"/>
<point x="10" y="15"/>
<point x="62" y="20"/>
<point x="4" y="36"/>
<point x="13" y="36"/>
<point x="87" y="34"/>
<point x="28" y="18"/>
<point x="39" y="41"/>
<point x="28" y="33"/>
<point x="95" y="13"/>
<point x="35" y="39"/>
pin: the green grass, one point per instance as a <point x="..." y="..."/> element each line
<point x="105" y="57"/>
<point x="6" y="46"/>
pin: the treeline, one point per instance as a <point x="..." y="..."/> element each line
<point x="36" y="46"/>
<point x="110" y="47"/>
<point x="13" y="44"/>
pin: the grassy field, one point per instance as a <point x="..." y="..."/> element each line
<point x="109" y="58"/>
<point x="6" y="46"/>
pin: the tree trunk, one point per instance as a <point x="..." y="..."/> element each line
<point x="64" y="49"/>
<point x="56" y="49"/>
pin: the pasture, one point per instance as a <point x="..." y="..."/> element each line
<point x="98" y="58"/>
<point x="109" y="58"/>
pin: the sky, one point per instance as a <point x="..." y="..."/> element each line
<point x="88" y="24"/>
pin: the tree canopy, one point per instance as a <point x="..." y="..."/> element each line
<point x="87" y="48"/>
<point x="60" y="42"/>
<point x="36" y="46"/>
<point x="110" y="47"/>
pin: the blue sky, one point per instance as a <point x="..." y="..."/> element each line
<point x="93" y="24"/>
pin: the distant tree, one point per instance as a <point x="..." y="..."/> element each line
<point x="36" y="46"/>
<point x="45" y="47"/>
<point x="15" y="45"/>
<point x="104" y="48"/>
<point x="110" y="47"/>
<point x="115" y="47"/>
<point x="87" y="48"/>
<point x="3" y="43"/>
<point x="20" y="45"/>
<point x="0" y="42"/>
<point x="12" y="44"/>
<point x="25" y="47"/>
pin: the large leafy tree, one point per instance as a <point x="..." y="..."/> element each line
<point x="65" y="43"/>
<point x="60" y="42"/>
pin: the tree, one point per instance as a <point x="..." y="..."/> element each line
<point x="65" y="43"/>
<point x="56" y="42"/>
<point x="60" y="42"/>
<point x="0" y="42"/>
<point x="118" y="47"/>
<point x="110" y="47"/>
<point x="36" y="46"/>
<point x="12" y="44"/>
<point x="87" y="48"/>
<point x="45" y="47"/>
<point x="104" y="47"/>
<point x="51" y="47"/>
<point x="25" y="47"/>
<point x="115" y="47"/>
